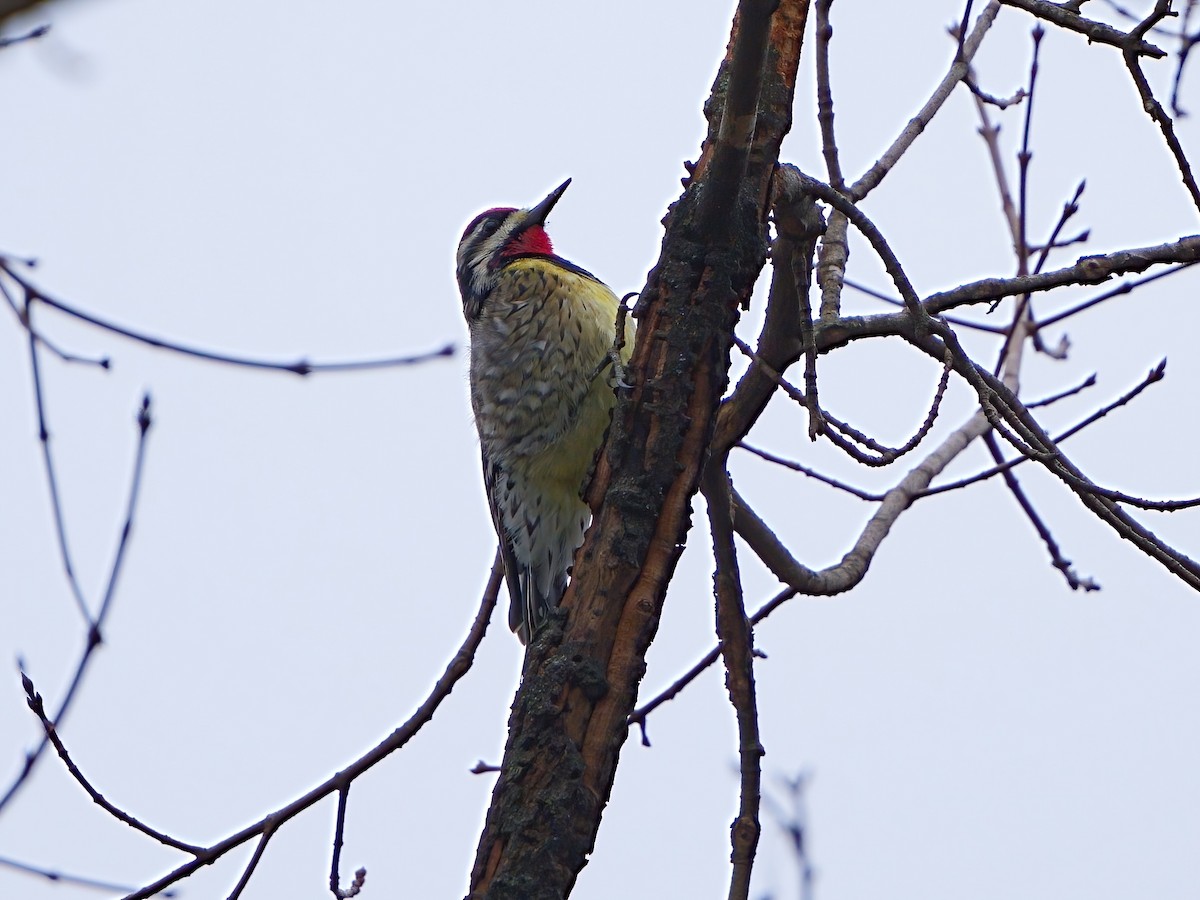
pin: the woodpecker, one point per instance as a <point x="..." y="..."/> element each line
<point x="541" y="330"/>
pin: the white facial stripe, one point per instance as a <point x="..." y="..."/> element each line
<point x="476" y="252"/>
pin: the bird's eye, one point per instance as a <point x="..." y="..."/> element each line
<point x="489" y="228"/>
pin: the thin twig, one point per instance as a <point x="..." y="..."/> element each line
<point x="300" y="367"/>
<point x="892" y="301"/>
<point x="993" y="393"/>
<point x="795" y="826"/>
<point x="824" y="32"/>
<point x="852" y="568"/>
<point x="1088" y="382"/>
<point x="736" y="639"/>
<point x="1087" y="270"/>
<point x="638" y="716"/>
<point x="811" y="473"/>
<point x="1096" y="32"/>
<point x="1019" y="224"/>
<point x="918" y="123"/>
<point x="458" y="666"/>
<point x="1156" y="374"/>
<point x="21" y="38"/>
<point x="887" y="455"/>
<point x="1125" y="287"/>
<point x="93" y="636"/>
<point x="1131" y="500"/>
<point x="1151" y="105"/>
<point x="335" y="878"/>
<point x="102" y="362"/>
<point x="1025" y="155"/>
<point x="265" y="838"/>
<point x="66" y="878"/>
<point x="1002" y="409"/>
<point x="1074" y="580"/>
<point x="34" y="701"/>
<point x="56" y="507"/>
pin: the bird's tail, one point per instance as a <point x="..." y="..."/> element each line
<point x="529" y="607"/>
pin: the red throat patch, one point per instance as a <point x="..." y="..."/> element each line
<point x="533" y="241"/>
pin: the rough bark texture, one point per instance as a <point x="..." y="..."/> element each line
<point x="580" y="682"/>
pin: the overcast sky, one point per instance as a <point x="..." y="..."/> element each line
<point x="281" y="181"/>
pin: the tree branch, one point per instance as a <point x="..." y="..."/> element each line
<point x="581" y="676"/>
<point x="1096" y="32"/>
<point x="300" y="367"/>
<point x="736" y="640"/>
<point x="458" y="666"/>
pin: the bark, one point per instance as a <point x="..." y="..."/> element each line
<point x="581" y="676"/>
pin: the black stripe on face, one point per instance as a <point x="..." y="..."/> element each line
<point x="493" y="218"/>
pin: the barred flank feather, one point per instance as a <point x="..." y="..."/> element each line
<point x="541" y="408"/>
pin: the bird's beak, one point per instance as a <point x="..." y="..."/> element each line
<point x="537" y="215"/>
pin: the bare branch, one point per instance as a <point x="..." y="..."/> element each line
<point x="335" y="878"/>
<point x="33" y="35"/>
<point x="811" y="473"/>
<point x="264" y="838"/>
<point x="1087" y="270"/>
<point x="824" y="32"/>
<point x="1151" y="105"/>
<point x="94" y="628"/>
<point x="798" y="224"/>
<point x="995" y="396"/>
<point x="736" y="639"/>
<point x="1088" y="382"/>
<point x="1125" y="287"/>
<point x="1060" y="562"/>
<point x="1063" y="16"/>
<point x="852" y="568"/>
<point x="887" y="455"/>
<point x="917" y="124"/>
<point x="892" y="301"/>
<point x="300" y="367"/>
<point x="1156" y="374"/>
<point x="56" y="507"/>
<point x="458" y="666"/>
<point x="65" y="878"/>
<point x="591" y="655"/>
<point x="638" y="716"/>
<point x="18" y="310"/>
<point x="34" y="700"/>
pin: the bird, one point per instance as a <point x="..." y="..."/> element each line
<point x="544" y="368"/>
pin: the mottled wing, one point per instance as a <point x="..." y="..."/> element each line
<point x="493" y="481"/>
<point x="528" y="605"/>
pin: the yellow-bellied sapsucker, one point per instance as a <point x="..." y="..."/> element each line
<point x="541" y="329"/>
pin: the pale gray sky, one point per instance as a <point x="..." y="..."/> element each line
<point x="274" y="180"/>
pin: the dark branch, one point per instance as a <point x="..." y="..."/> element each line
<point x="299" y="367"/>
<point x="66" y="878"/>
<point x="335" y="878"/>
<point x="21" y="38"/>
<point x="34" y="700"/>
<point x="736" y="640"/>
<point x="94" y="629"/>
<point x="638" y="716"/>
<point x="1059" y="561"/>
<point x="263" y="839"/>
<point x="1096" y="32"/>
<point x="1087" y="270"/>
<point x="1151" y="105"/>
<point x="1156" y="374"/>
<point x="458" y="666"/>
<point x="811" y="473"/>
<point x="591" y="658"/>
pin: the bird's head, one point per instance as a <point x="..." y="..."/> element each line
<point x="493" y="238"/>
